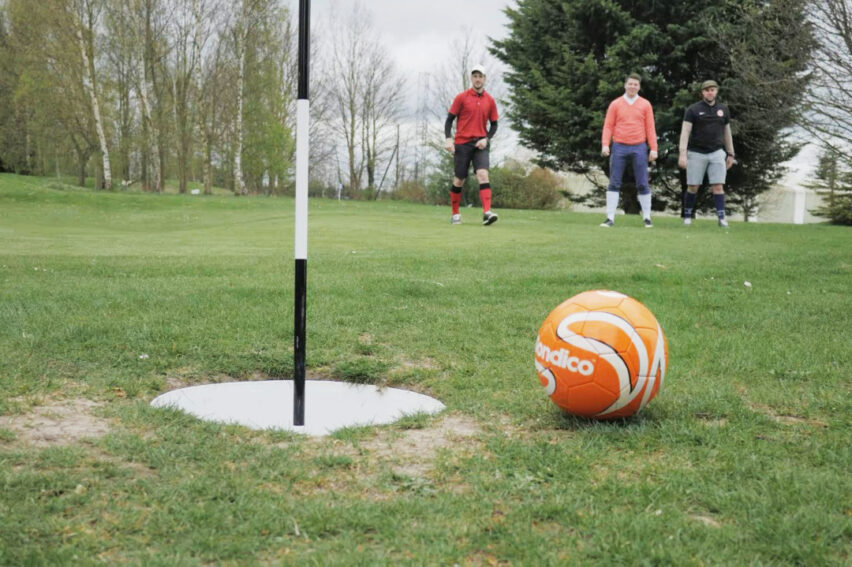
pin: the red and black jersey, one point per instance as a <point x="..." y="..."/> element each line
<point x="474" y="111"/>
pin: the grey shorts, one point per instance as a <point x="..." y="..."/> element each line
<point x="697" y="164"/>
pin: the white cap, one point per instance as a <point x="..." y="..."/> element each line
<point x="478" y="68"/>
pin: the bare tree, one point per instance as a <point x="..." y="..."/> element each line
<point x="364" y="88"/>
<point x="829" y="110"/>
<point x="381" y="110"/>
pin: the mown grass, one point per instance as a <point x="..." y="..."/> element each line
<point x="742" y="459"/>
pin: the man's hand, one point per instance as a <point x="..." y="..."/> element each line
<point x="681" y="160"/>
<point x="605" y="151"/>
<point x="450" y="146"/>
<point x="730" y="161"/>
<point x="482" y="143"/>
<point x="652" y="156"/>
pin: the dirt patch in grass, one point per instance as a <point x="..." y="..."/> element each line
<point x="711" y="420"/>
<point x="57" y="422"/>
<point x="706" y="520"/>
<point x="412" y="452"/>
<point x="787" y="418"/>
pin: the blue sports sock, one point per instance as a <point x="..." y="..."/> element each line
<point x="689" y="204"/>
<point x="719" y="201"/>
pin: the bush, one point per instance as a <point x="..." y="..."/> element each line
<point x="838" y="211"/>
<point x="513" y="188"/>
<point x="411" y="191"/>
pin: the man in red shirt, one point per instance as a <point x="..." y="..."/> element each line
<point x="629" y="124"/>
<point x="474" y="109"/>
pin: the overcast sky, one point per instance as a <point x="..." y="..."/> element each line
<point x="418" y="33"/>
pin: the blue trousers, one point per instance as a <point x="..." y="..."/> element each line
<point x="619" y="158"/>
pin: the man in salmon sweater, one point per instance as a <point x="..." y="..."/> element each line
<point x="629" y="124"/>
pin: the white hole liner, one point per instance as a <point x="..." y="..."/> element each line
<point x="268" y="404"/>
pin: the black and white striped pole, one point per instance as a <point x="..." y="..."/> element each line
<point x="301" y="224"/>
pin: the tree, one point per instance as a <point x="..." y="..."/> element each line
<point x="828" y="114"/>
<point x="568" y="59"/>
<point x="83" y="16"/>
<point x="363" y="87"/>
<point x="833" y="180"/>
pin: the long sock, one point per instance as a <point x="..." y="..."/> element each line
<point x="455" y="198"/>
<point x="689" y="204"/>
<point x="645" y="204"/>
<point x="485" y="196"/>
<point x="719" y="201"/>
<point x="611" y="204"/>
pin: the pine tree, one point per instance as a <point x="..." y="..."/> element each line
<point x="568" y="60"/>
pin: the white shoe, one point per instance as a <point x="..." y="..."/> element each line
<point x="455" y="219"/>
<point x="723" y="223"/>
<point x="687" y="221"/>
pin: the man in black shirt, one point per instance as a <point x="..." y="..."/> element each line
<point x="706" y="147"/>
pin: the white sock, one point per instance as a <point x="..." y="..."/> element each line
<point x="611" y="204"/>
<point x="645" y="204"/>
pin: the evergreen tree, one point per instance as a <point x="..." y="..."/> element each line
<point x="568" y="60"/>
<point x="833" y="181"/>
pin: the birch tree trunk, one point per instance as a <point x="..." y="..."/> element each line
<point x="201" y="114"/>
<point x="239" y="183"/>
<point x="89" y="84"/>
<point x="150" y="133"/>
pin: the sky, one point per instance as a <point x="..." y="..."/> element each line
<point x="419" y="32"/>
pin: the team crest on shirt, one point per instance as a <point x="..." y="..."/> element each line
<point x="720" y="113"/>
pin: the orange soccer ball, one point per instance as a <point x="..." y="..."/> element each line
<point x="601" y="354"/>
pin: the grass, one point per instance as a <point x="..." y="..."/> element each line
<point x="115" y="298"/>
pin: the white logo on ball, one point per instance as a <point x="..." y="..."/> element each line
<point x="562" y="359"/>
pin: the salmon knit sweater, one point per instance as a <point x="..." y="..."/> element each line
<point x="630" y="123"/>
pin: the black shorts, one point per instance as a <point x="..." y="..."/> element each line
<point x="465" y="153"/>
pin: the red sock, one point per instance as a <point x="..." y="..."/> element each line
<point x="485" y="196"/>
<point x="455" y="200"/>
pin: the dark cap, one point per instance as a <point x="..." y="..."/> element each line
<point x="708" y="84"/>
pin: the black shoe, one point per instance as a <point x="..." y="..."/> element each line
<point x="607" y="223"/>
<point x="489" y="218"/>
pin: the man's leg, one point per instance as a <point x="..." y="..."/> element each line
<point x="639" y="156"/>
<point x="717" y="172"/>
<point x="455" y="199"/>
<point x="696" y="168"/>
<point x="484" y="189"/>
<point x="617" y="162"/>
<point x="480" y="167"/>
<point x="461" y="157"/>
<point x="689" y="203"/>
<point x="719" y="203"/>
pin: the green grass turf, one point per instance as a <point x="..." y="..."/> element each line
<point x="114" y="298"/>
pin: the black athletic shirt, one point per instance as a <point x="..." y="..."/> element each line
<point x="708" y="126"/>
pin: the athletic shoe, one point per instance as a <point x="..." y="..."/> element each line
<point x="455" y="219"/>
<point x="489" y="218"/>
<point x="648" y="223"/>
<point x="687" y="221"/>
<point x="723" y="223"/>
<point x="607" y="223"/>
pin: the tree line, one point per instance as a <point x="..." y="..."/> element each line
<point x="139" y="91"/>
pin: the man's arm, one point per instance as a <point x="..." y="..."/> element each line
<point x="729" y="146"/>
<point x="482" y="143"/>
<point x="651" y="133"/>
<point x="448" y="132"/>
<point x="608" y="127"/>
<point x="685" y="131"/>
